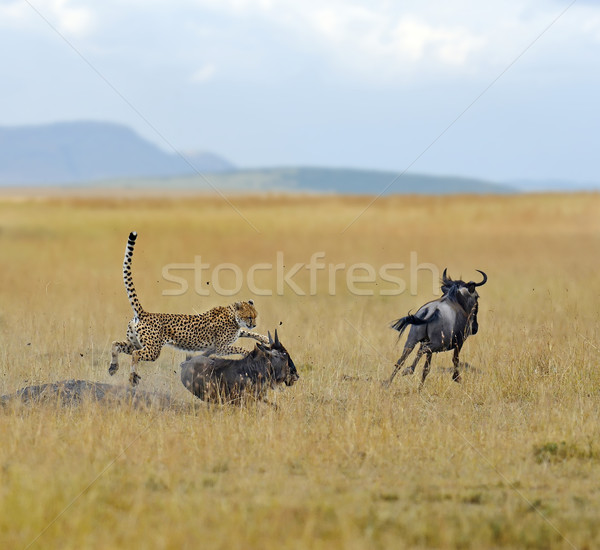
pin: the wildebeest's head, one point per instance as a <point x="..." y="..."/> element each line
<point x="448" y="284"/>
<point x="466" y="294"/>
<point x="283" y="367"/>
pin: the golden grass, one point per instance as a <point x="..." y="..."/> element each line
<point x="510" y="458"/>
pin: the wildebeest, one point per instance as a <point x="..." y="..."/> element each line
<point x="223" y="380"/>
<point x="441" y="325"/>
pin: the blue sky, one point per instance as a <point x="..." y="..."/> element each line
<point x="326" y="83"/>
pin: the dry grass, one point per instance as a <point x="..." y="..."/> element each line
<point x="510" y="458"/>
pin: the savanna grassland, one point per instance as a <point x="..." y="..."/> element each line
<point x="509" y="458"/>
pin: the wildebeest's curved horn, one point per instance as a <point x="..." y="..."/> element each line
<point x="445" y="277"/>
<point x="270" y="338"/>
<point x="276" y="338"/>
<point x="484" y="278"/>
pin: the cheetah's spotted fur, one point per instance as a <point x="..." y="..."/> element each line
<point x="211" y="332"/>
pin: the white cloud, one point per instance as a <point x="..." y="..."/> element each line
<point x="14" y="13"/>
<point x="378" y="37"/>
<point x="342" y="81"/>
<point x="76" y="20"/>
<point x="375" y="41"/>
<point x="385" y="41"/>
<point x="64" y="15"/>
<point x="204" y="73"/>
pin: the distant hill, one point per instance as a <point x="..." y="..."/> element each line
<point x="324" y="180"/>
<point x="101" y="154"/>
<point x="68" y="152"/>
<point x="559" y="186"/>
<point x="345" y="180"/>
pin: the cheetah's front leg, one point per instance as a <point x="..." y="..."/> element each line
<point x="259" y="337"/>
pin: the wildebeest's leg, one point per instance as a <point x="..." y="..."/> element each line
<point x="456" y="374"/>
<point x="426" y="368"/>
<point x="147" y="353"/>
<point x="119" y="347"/>
<point x="274" y="405"/>
<point x="399" y="363"/>
<point x="411" y="369"/>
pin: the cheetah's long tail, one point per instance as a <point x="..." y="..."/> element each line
<point x="127" y="278"/>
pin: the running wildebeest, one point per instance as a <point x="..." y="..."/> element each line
<point x="441" y="325"/>
<point x="219" y="379"/>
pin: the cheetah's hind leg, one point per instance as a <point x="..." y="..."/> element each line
<point x="150" y="352"/>
<point x="119" y="347"/>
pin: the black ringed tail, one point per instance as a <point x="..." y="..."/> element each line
<point x="127" y="278"/>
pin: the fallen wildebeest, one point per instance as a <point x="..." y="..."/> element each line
<point x="223" y="380"/>
<point x="441" y="325"/>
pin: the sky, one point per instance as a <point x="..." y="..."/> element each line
<point x="502" y="90"/>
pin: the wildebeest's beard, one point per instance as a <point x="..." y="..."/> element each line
<point x="473" y="319"/>
<point x="285" y="369"/>
<point x="293" y="373"/>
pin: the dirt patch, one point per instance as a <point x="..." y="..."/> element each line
<point x="73" y="392"/>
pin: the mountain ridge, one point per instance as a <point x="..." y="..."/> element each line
<point x="69" y="152"/>
<point x="105" y="154"/>
<point x="311" y="179"/>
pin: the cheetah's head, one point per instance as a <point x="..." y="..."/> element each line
<point x="245" y="314"/>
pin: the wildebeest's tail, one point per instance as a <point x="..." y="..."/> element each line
<point x="401" y="324"/>
<point x="127" y="279"/>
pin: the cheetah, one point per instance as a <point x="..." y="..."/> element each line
<point x="212" y="332"/>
